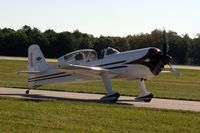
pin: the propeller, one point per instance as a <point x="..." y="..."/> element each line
<point x="165" y="46"/>
<point x="174" y="71"/>
<point x="166" y="59"/>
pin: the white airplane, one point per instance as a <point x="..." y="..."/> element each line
<point x="84" y="64"/>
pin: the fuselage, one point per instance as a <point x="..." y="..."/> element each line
<point x="84" y="64"/>
<point x="135" y="64"/>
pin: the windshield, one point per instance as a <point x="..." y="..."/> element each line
<point x="84" y="55"/>
<point x="110" y="51"/>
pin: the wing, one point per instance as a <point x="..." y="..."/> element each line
<point x="86" y="72"/>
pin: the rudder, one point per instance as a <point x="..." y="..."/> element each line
<point x="36" y="59"/>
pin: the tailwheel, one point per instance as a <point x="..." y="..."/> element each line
<point x="27" y="91"/>
<point x="110" y="98"/>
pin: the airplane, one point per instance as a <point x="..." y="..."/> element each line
<point x="139" y="65"/>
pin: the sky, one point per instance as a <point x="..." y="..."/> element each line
<point x="103" y="17"/>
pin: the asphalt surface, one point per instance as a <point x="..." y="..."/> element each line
<point x="86" y="97"/>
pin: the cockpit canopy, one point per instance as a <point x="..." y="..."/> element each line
<point x="110" y="51"/>
<point x="84" y="55"/>
<point x="107" y="52"/>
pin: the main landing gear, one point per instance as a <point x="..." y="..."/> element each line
<point x="111" y="95"/>
<point x="144" y="94"/>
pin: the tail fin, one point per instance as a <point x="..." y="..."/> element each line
<point x="36" y="60"/>
<point x="40" y="72"/>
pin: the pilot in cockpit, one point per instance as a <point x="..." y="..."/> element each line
<point x="80" y="56"/>
<point x="108" y="51"/>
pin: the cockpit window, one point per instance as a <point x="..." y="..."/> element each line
<point x="80" y="56"/>
<point x="110" y="51"/>
<point x="84" y="55"/>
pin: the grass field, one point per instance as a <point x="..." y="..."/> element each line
<point x="165" y="85"/>
<point x="20" y="116"/>
<point x="58" y="116"/>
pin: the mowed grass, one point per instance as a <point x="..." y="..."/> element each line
<point x="26" y="116"/>
<point x="164" y="86"/>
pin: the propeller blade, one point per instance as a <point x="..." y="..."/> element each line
<point x="174" y="71"/>
<point x="165" y="43"/>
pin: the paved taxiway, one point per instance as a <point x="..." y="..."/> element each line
<point x="86" y="97"/>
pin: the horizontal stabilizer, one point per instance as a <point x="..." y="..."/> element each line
<point x="30" y="72"/>
<point x="165" y="71"/>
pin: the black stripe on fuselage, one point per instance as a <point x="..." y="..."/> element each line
<point x="107" y="64"/>
<point x="47" y="75"/>
<point x="35" y="80"/>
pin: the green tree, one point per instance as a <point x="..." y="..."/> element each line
<point x="102" y="43"/>
<point x="196" y="51"/>
<point x="16" y="43"/>
<point x="178" y="48"/>
<point x="120" y="43"/>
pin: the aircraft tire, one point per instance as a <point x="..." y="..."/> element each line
<point x="110" y="98"/>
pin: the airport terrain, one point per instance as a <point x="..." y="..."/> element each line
<point x="50" y="113"/>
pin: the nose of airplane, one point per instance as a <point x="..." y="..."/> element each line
<point x="167" y="59"/>
<point x="161" y="61"/>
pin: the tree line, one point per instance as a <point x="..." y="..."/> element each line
<point x="183" y="49"/>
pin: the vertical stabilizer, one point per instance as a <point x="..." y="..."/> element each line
<point x="40" y="72"/>
<point x="36" y="60"/>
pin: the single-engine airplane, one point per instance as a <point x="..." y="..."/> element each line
<point x="84" y="64"/>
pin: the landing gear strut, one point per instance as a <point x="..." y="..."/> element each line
<point x="144" y="94"/>
<point x="111" y="95"/>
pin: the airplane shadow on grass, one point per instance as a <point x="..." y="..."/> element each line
<point x="38" y="98"/>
